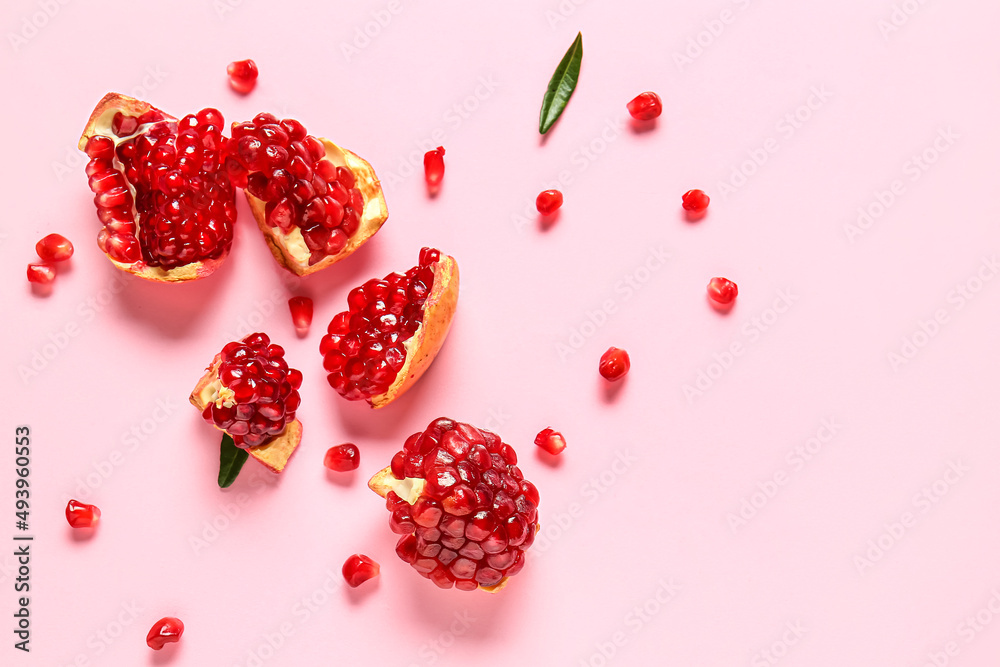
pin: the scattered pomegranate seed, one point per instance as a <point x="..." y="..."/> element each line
<point x="165" y="631"/>
<point x="722" y="291"/>
<point x="358" y="569"/>
<point x="645" y="106"/>
<point x="82" y="515"/>
<point x="302" y="313"/>
<point x="614" y="364"/>
<point x="548" y="201"/>
<point x="342" y="458"/>
<point x="695" y="201"/>
<point x="551" y="441"/>
<point x="242" y="75"/>
<point x="42" y="274"/>
<point x="434" y="167"/>
<point x="54" y="248"/>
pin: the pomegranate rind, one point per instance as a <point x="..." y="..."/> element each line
<point x="273" y="454"/>
<point x="426" y="341"/>
<point x="99" y="123"/>
<point x="290" y="250"/>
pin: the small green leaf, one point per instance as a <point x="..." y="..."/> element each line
<point x="561" y="85"/>
<point x="231" y="460"/>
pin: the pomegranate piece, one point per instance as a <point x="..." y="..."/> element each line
<point x="695" y="201"/>
<point x="434" y="168"/>
<point x="358" y="569"/>
<point x="614" y="364"/>
<point x="242" y="75"/>
<point x="166" y="204"/>
<point x="250" y="393"/>
<point x="342" y="458"/>
<point x="464" y="510"/>
<point x="165" y="631"/>
<point x="82" y="515"/>
<point x="315" y="202"/>
<point x="645" y="106"/>
<point x="392" y="330"/>
<point x="722" y="291"/>
<point x="54" y="248"/>
<point x="41" y="274"/>
<point x="551" y="441"/>
<point x="301" y="308"/>
<point x="548" y="201"/>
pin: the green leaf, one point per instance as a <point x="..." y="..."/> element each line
<point x="561" y="85"/>
<point x="231" y="460"/>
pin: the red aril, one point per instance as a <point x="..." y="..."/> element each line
<point x="722" y="291"/>
<point x="645" y="106"/>
<point x="434" y="168"/>
<point x="165" y="631"/>
<point x="41" y="274"/>
<point x="342" y="458"/>
<point x="301" y="308"/>
<point x="82" y="515"/>
<point x="695" y="201"/>
<point x="614" y="364"/>
<point x="548" y="201"/>
<point x="358" y="569"/>
<point x="242" y="75"/>
<point x="54" y="248"/>
<point x="551" y="441"/>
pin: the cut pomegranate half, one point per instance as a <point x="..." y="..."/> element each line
<point x="392" y="331"/>
<point x="250" y="393"/>
<point x="464" y="510"/>
<point x="315" y="202"/>
<point x="167" y="206"/>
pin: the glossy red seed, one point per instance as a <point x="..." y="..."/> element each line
<point x="54" y="248"/>
<point x="645" y="106"/>
<point x="695" y="201"/>
<point x="614" y="364"/>
<point x="358" y="569"/>
<point x="551" y="441"/>
<point x="242" y="75"/>
<point x="434" y="167"/>
<point x="82" y="515"/>
<point x="548" y="201"/>
<point x="301" y="308"/>
<point x="41" y="274"/>
<point x="722" y="291"/>
<point x="342" y="458"/>
<point x="165" y="631"/>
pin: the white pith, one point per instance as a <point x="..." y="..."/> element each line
<point x="215" y="392"/>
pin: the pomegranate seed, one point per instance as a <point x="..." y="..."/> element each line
<point x="242" y="75"/>
<point x="82" y="515"/>
<point x="551" y="441"/>
<point x="302" y="313"/>
<point x="695" y="201"/>
<point x="358" y="569"/>
<point x="434" y="167"/>
<point x="722" y="291"/>
<point x="342" y="458"/>
<point x="548" y="201"/>
<point x="645" y="106"/>
<point x="54" y="248"/>
<point x="41" y="274"/>
<point x="614" y="364"/>
<point x="165" y="631"/>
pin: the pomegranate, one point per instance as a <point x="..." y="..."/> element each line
<point x="301" y="308"/>
<point x="614" y="364"/>
<point x="645" y="106"/>
<point x="242" y="75"/>
<point x="358" y="569"/>
<point x="82" y="515"/>
<point x="167" y="206"/>
<point x="695" y="201"/>
<point x="548" y="201"/>
<point x="722" y="291"/>
<point x="315" y="202"/>
<point x="250" y="393"/>
<point x="464" y="510"/>
<point x="342" y="458"/>
<point x="54" y="248"/>
<point x="165" y="631"/>
<point x="434" y="169"/>
<point x="41" y="273"/>
<point x="393" y="329"/>
<point x="551" y="441"/>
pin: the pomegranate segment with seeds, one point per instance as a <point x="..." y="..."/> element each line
<point x="551" y="441"/>
<point x="645" y="106"/>
<point x="250" y="393"/>
<point x="695" y="201"/>
<point x="301" y="308"/>
<point x="54" y="248"/>
<point x="614" y="364"/>
<point x="82" y="515"/>
<point x="315" y="202"/>
<point x="342" y="458"/>
<point x="358" y="569"/>
<point x="548" y="201"/>
<point x="167" y="206"/>
<point x="462" y="506"/>
<point x="242" y="75"/>
<point x="392" y="330"/>
<point x="41" y="273"/>
<point x="722" y="291"/>
<point x="165" y="631"/>
<point x="434" y="168"/>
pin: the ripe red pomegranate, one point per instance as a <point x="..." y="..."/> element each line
<point x="393" y="329"/>
<point x="165" y="631"/>
<point x="167" y="206"/>
<point x="250" y="393"/>
<point x="464" y="510"/>
<point x="315" y="202"/>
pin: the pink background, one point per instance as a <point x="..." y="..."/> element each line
<point x="641" y="558"/>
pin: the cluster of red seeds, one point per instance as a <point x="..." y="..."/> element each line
<point x="476" y="515"/>
<point x="184" y="203"/>
<point x="279" y="163"/>
<point x="264" y="391"/>
<point x="363" y="349"/>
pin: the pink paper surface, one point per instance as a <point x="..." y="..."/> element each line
<point x="810" y="479"/>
